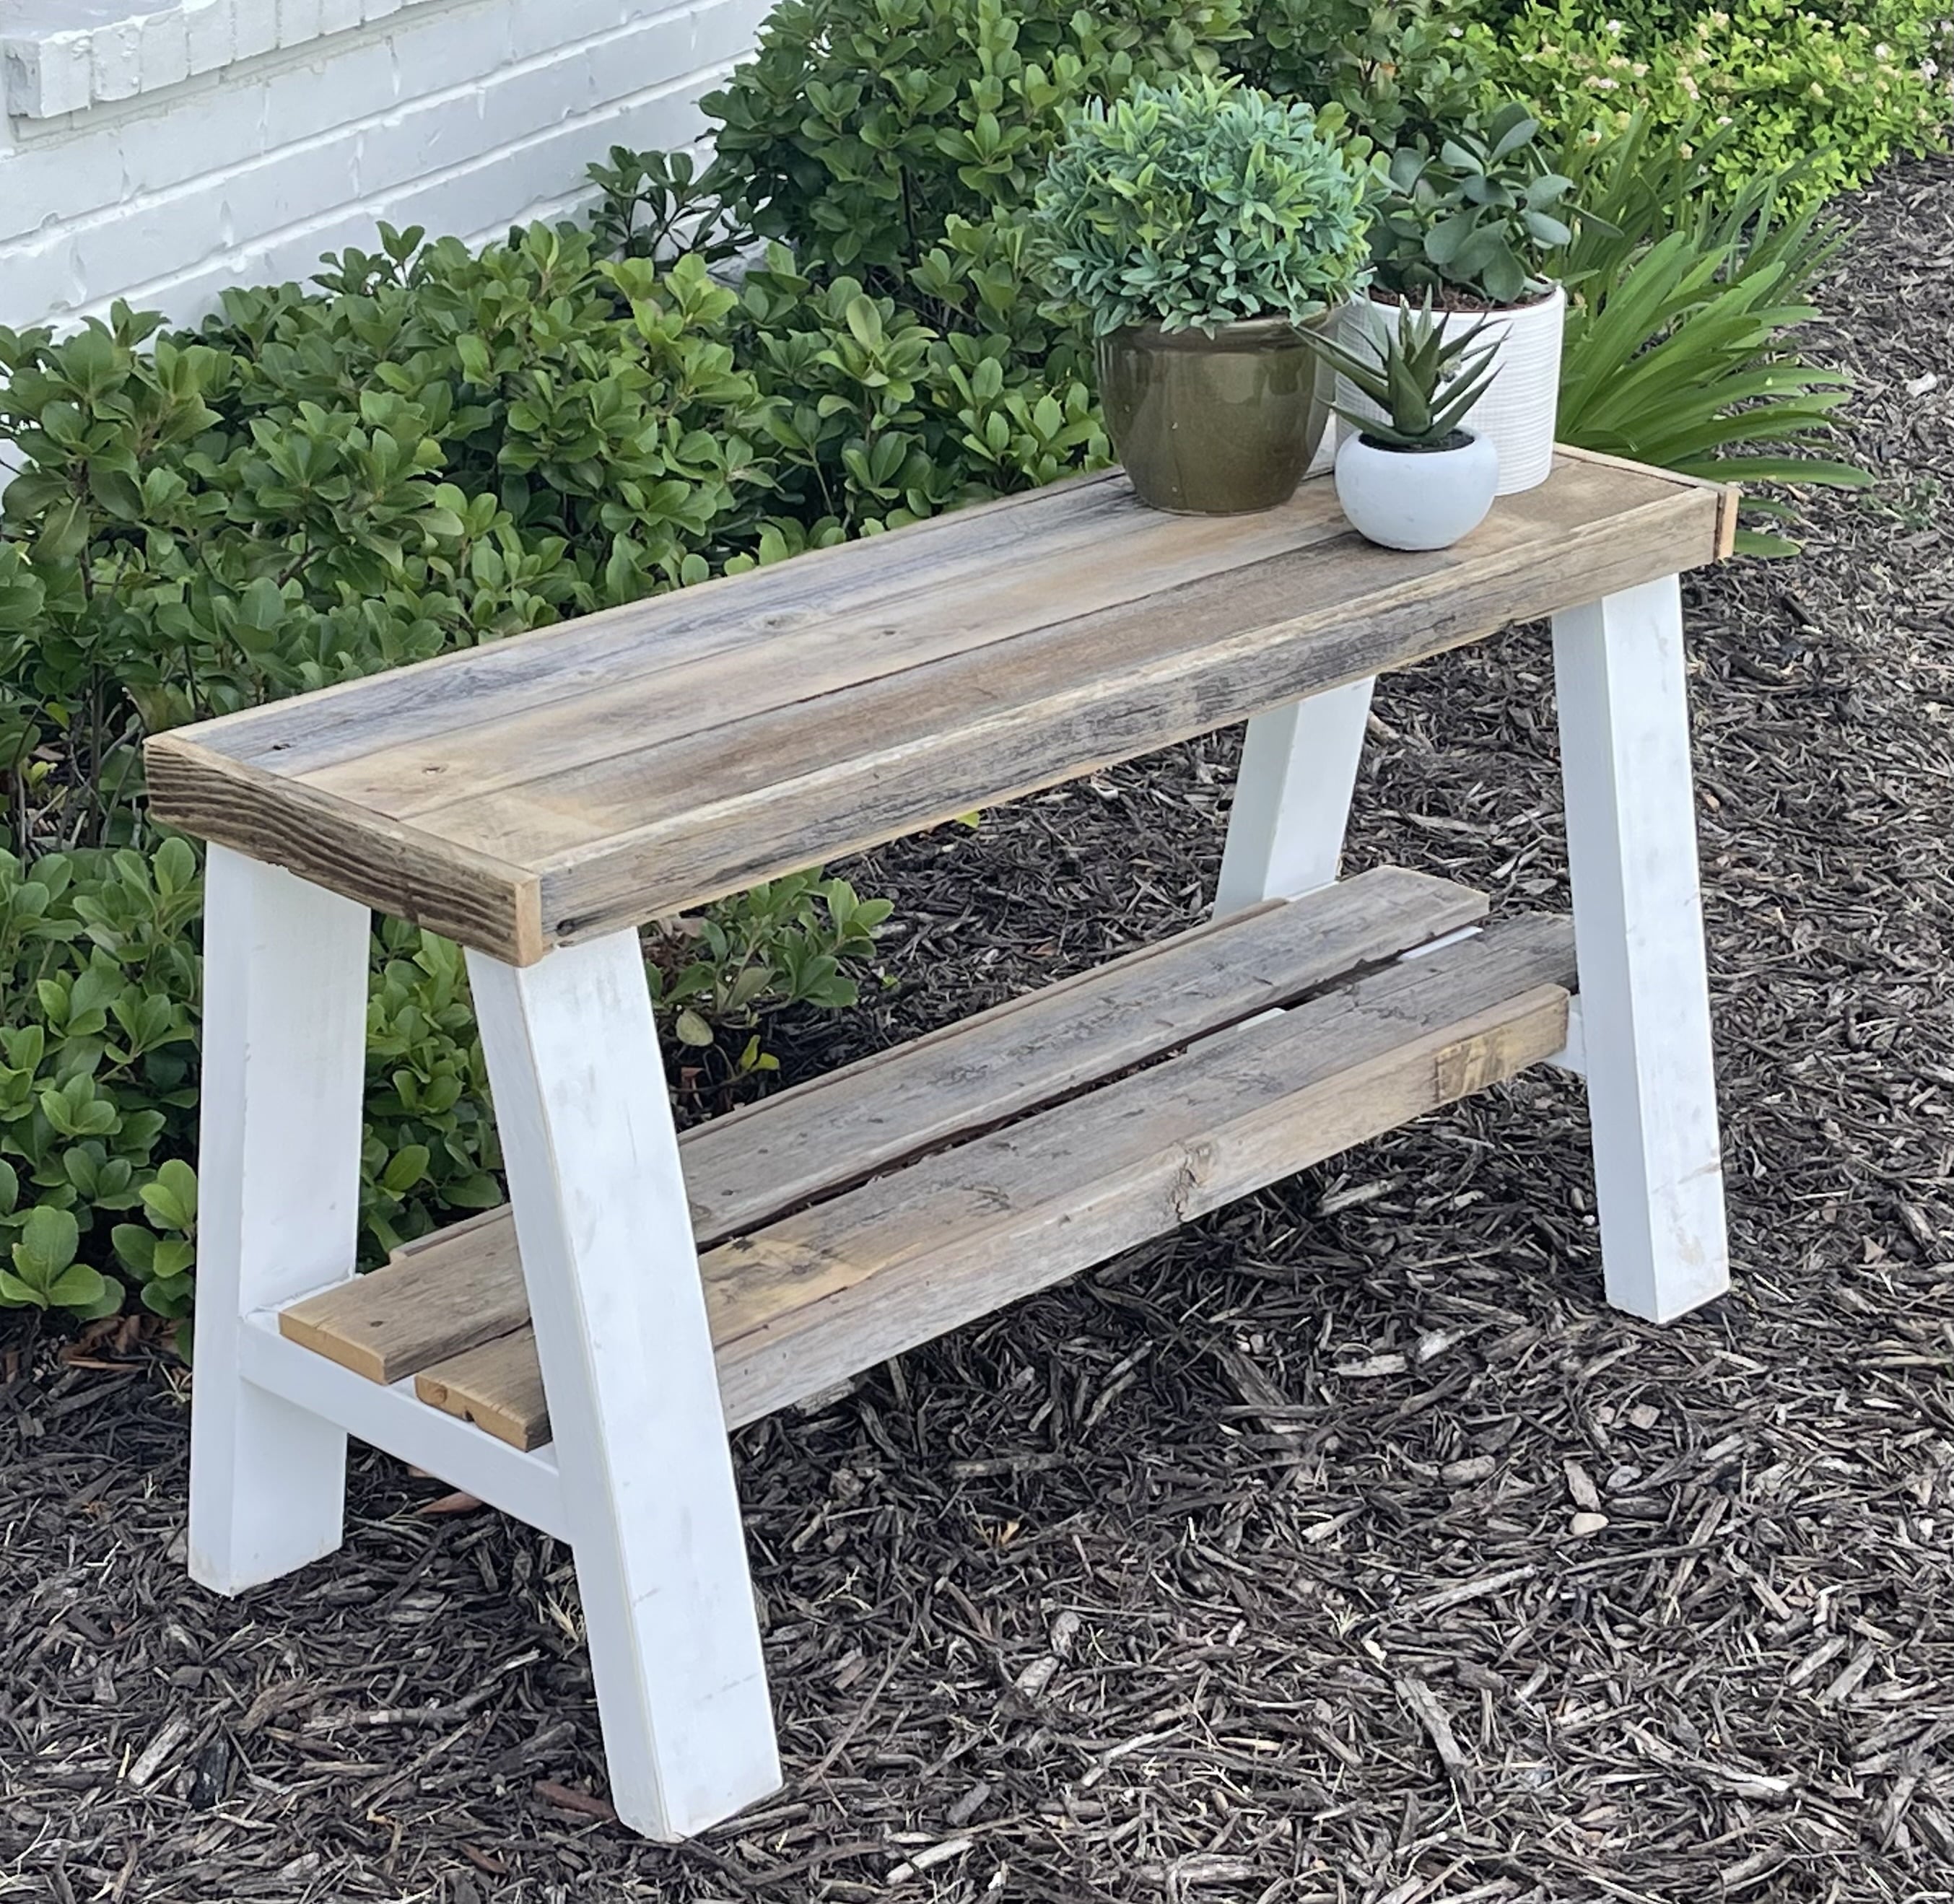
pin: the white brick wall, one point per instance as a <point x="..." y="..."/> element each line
<point x="158" y="150"/>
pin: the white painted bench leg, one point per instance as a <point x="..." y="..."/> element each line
<point x="1619" y="673"/>
<point x="605" y="1234"/>
<point x="284" y="1040"/>
<point x="1292" y="798"/>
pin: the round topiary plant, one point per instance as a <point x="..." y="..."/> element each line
<point x="1195" y="229"/>
<point x="1202" y="203"/>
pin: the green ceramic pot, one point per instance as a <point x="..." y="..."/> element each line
<point x="1215" y="425"/>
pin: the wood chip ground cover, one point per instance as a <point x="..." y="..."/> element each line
<point x="1344" y="1547"/>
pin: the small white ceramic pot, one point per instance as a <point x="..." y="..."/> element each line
<point x="1520" y="405"/>
<point x="1416" y="498"/>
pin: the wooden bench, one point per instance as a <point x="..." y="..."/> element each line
<point x="577" y="1357"/>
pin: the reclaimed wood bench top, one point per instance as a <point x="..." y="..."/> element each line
<point x="625" y="766"/>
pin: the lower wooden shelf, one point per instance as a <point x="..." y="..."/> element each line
<point x="858" y="1216"/>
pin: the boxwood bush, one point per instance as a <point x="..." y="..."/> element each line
<point x="432" y="448"/>
<point x="1199" y="202"/>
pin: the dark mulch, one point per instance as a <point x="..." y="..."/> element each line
<point x="1248" y="1567"/>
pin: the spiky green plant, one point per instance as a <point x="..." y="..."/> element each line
<point x="1423" y="381"/>
<point x="1685" y="344"/>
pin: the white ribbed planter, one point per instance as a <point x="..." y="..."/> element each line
<point x="1518" y="411"/>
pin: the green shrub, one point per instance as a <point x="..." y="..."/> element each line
<point x="1833" y="86"/>
<point x="98" y="1089"/>
<point x="435" y="448"/>
<point x="1399" y="68"/>
<point x="875" y="419"/>
<point x="1200" y="202"/>
<point x="862" y="128"/>
<point x="658" y="204"/>
<point x="781" y="943"/>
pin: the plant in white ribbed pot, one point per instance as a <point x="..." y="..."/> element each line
<point x="1472" y="228"/>
<point x="1410" y="475"/>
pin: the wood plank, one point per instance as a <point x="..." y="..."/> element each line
<point x="807" y="1302"/>
<point x="408" y="1314"/>
<point x="953" y="737"/>
<point x="1293" y="599"/>
<point x="498" y="1386"/>
<point x="588" y="830"/>
<point x="476" y="898"/>
<point x="743" y="1169"/>
<point x="648" y="697"/>
<point x="677" y="652"/>
<point x="1730" y="495"/>
<point x="520" y="672"/>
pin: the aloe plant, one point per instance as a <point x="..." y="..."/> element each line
<point x="1424" y="381"/>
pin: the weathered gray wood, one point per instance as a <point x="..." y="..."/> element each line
<point x="396" y="869"/>
<point x="809" y="1300"/>
<point x="1095" y="565"/>
<point x="521" y="802"/>
<point x="525" y="672"/>
<point x="1730" y="495"/>
<point x="976" y="730"/>
<point x="444" y="1294"/>
<point x="407" y="1315"/>
<point x="815" y="1297"/>
<point x="744" y="1169"/>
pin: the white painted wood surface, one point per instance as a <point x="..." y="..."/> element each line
<point x="284" y="1033"/>
<point x="605" y="1234"/>
<point x="1292" y="798"/>
<point x="1572" y="1057"/>
<point x="1620" y="676"/>
<point x="394" y="1418"/>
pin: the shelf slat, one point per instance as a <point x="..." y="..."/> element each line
<point x="818" y="1297"/>
<point x="746" y="1168"/>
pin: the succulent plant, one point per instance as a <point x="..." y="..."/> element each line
<point x="1481" y="215"/>
<point x="1423" y="381"/>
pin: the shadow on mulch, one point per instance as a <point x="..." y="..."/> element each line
<point x="1248" y="1567"/>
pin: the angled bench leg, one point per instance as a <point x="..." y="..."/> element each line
<point x="284" y="1042"/>
<point x="1619" y="675"/>
<point x="605" y="1233"/>
<point x="1292" y="798"/>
